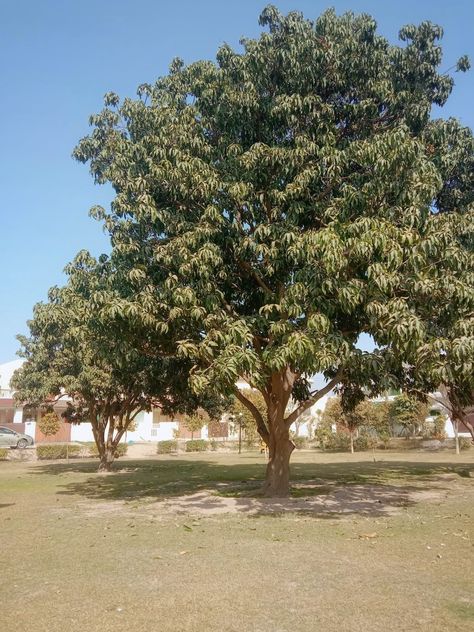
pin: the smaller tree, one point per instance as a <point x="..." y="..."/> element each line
<point x="105" y="370"/>
<point x="194" y="422"/>
<point x="409" y="413"/>
<point x="350" y="420"/>
<point x="49" y="423"/>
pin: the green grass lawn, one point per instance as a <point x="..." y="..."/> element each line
<point x="185" y="543"/>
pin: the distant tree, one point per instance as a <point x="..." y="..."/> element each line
<point x="194" y="422"/>
<point x="49" y="423"/>
<point x="351" y="420"/>
<point x="278" y="203"/>
<point x="409" y="413"/>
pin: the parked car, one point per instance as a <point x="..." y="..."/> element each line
<point x="11" y="438"/>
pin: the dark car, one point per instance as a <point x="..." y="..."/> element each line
<point x="12" y="439"/>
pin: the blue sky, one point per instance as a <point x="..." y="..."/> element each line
<point x="58" y="58"/>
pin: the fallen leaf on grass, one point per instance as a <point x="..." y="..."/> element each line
<point x="183" y="552"/>
<point x="368" y="536"/>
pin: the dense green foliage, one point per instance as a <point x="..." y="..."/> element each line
<point x="363" y="415"/>
<point x="272" y="206"/>
<point x="107" y="371"/>
<point x="409" y="413"/>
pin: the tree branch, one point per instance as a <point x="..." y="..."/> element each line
<point x="248" y="268"/>
<point x="314" y="397"/>
<point x="261" y="427"/>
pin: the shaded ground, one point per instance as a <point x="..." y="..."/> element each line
<point x="186" y="543"/>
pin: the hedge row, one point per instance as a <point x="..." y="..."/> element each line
<point x="63" y="450"/>
<point x="193" y="445"/>
<point x="4" y="454"/>
<point x="121" y="449"/>
<point x="57" y="451"/>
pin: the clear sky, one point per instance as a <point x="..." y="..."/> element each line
<point x="58" y="58"/>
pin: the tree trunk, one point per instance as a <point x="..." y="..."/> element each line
<point x="106" y="459"/>
<point x="280" y="447"/>
<point x="352" y="441"/>
<point x="277" y="477"/>
<point x="456" y="435"/>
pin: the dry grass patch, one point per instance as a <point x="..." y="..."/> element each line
<point x="185" y="544"/>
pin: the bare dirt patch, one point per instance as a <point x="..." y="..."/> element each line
<point x="318" y="500"/>
<point x="332" y="499"/>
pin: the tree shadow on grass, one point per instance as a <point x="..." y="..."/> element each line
<point x="319" y="489"/>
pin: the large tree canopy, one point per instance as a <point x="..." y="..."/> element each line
<point x="274" y="205"/>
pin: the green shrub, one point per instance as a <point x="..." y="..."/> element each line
<point x="337" y="443"/>
<point x="196" y="445"/>
<point x="213" y="444"/>
<point x="166" y="447"/>
<point x="57" y="451"/>
<point x="4" y="454"/>
<point x="365" y="442"/>
<point x="464" y="443"/>
<point x="323" y="435"/>
<point x="300" y="442"/>
<point x="93" y="450"/>
<point x="121" y="450"/>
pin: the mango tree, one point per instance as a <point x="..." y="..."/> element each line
<point x="280" y="201"/>
<point x="77" y="353"/>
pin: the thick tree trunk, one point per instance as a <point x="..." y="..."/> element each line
<point x="277" y="478"/>
<point x="106" y="459"/>
<point x="280" y="447"/>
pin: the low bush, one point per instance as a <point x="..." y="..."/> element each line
<point x="166" y="447"/>
<point x="213" y="444"/>
<point x="121" y="450"/>
<point x="337" y="443"/>
<point x="384" y="441"/>
<point x="365" y="442"/>
<point x="300" y="442"/>
<point x="196" y="445"/>
<point x="4" y="454"/>
<point x="57" y="451"/>
<point x="92" y="449"/>
<point x="323" y="435"/>
<point x="464" y="443"/>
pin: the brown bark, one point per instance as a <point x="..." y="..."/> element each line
<point x="106" y="459"/>
<point x="277" y="476"/>
<point x="275" y="429"/>
<point x="280" y="447"/>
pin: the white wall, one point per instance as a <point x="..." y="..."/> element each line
<point x="6" y="372"/>
<point x="81" y="432"/>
